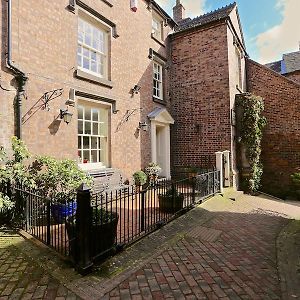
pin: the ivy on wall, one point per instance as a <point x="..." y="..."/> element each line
<point x="252" y="123"/>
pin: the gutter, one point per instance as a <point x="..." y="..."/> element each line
<point x="19" y="75"/>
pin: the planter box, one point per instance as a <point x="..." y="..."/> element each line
<point x="102" y="236"/>
<point x="170" y="204"/>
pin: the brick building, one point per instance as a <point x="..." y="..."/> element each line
<point x="208" y="70"/>
<point x="129" y="76"/>
<point x="100" y="61"/>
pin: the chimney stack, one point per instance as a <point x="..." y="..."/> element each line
<point x="178" y="12"/>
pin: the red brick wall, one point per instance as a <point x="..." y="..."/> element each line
<point x="45" y="45"/>
<point x="200" y="96"/>
<point x="295" y="76"/>
<point x="281" y="140"/>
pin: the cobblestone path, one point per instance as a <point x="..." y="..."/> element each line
<point x="22" y="278"/>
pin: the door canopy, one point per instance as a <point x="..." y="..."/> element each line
<point x="161" y="115"/>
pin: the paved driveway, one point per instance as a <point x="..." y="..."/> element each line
<point x="232" y="256"/>
<point x="224" y="249"/>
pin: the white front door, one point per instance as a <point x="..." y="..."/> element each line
<point x="160" y="140"/>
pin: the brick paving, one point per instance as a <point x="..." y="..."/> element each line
<point x="22" y="278"/>
<point x="234" y="259"/>
<point x="223" y="249"/>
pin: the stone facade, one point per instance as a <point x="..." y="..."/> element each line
<point x="44" y="43"/>
<point x="281" y="140"/>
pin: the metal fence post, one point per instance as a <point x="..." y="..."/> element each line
<point x="83" y="258"/>
<point x="194" y="188"/>
<point x="143" y="193"/>
<point x="48" y="222"/>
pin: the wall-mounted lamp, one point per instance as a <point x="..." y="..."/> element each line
<point x="143" y="126"/>
<point x="136" y="89"/>
<point x="65" y="115"/>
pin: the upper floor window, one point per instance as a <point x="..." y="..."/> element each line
<point x="92" y="53"/>
<point x="157" y="80"/>
<point x="157" y="28"/>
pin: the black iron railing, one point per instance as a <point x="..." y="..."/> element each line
<point x="93" y="225"/>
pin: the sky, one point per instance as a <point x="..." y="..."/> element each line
<point x="271" y="27"/>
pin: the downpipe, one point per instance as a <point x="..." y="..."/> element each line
<point x="19" y="75"/>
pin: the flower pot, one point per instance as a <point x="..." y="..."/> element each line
<point x="170" y="204"/>
<point x="102" y="236"/>
<point x="61" y="211"/>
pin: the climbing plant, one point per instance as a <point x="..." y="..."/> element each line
<point x="252" y="123"/>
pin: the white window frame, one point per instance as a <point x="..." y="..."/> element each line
<point x="102" y="54"/>
<point x="158" y="80"/>
<point x="102" y="140"/>
<point x="157" y="27"/>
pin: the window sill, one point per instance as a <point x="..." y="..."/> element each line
<point x="160" y="101"/>
<point x="92" y="166"/>
<point x="158" y="41"/>
<point x="93" y="78"/>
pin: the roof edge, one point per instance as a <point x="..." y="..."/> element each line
<point x="274" y="72"/>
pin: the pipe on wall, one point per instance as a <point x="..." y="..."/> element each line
<point x="19" y="75"/>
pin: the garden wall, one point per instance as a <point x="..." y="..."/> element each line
<point x="281" y="140"/>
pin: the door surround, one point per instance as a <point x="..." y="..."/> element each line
<point x="161" y="119"/>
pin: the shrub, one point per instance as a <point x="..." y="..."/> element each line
<point x="140" y="178"/>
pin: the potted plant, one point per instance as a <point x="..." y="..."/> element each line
<point x="152" y="171"/>
<point x="103" y="231"/>
<point x="140" y="178"/>
<point x="58" y="180"/>
<point x="171" y="201"/>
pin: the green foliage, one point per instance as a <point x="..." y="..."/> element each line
<point x="6" y="204"/>
<point x="20" y="150"/>
<point x="102" y="216"/>
<point x="140" y="178"/>
<point x="296" y="179"/>
<point x="16" y="170"/>
<point x="59" y="179"/>
<point x="252" y="124"/>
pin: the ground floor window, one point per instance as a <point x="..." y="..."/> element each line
<point x="93" y="133"/>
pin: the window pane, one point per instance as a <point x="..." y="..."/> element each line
<point x="104" y="115"/>
<point x="80" y="127"/>
<point x="86" y="63"/>
<point x="80" y="156"/>
<point x="80" y="112"/>
<point x="95" y="114"/>
<point x="94" y="157"/>
<point x="87" y="128"/>
<point x="79" y="142"/>
<point x="95" y="129"/>
<point x="93" y="143"/>
<point x="94" y="66"/>
<point x="86" y="157"/>
<point x="86" y="52"/>
<point x="86" y="142"/>
<point x="79" y="60"/>
<point x="87" y="115"/>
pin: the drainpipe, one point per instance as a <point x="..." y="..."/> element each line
<point x="19" y="75"/>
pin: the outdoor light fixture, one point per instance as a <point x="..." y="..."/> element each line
<point x="136" y="89"/>
<point x="66" y="115"/>
<point x="143" y="126"/>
